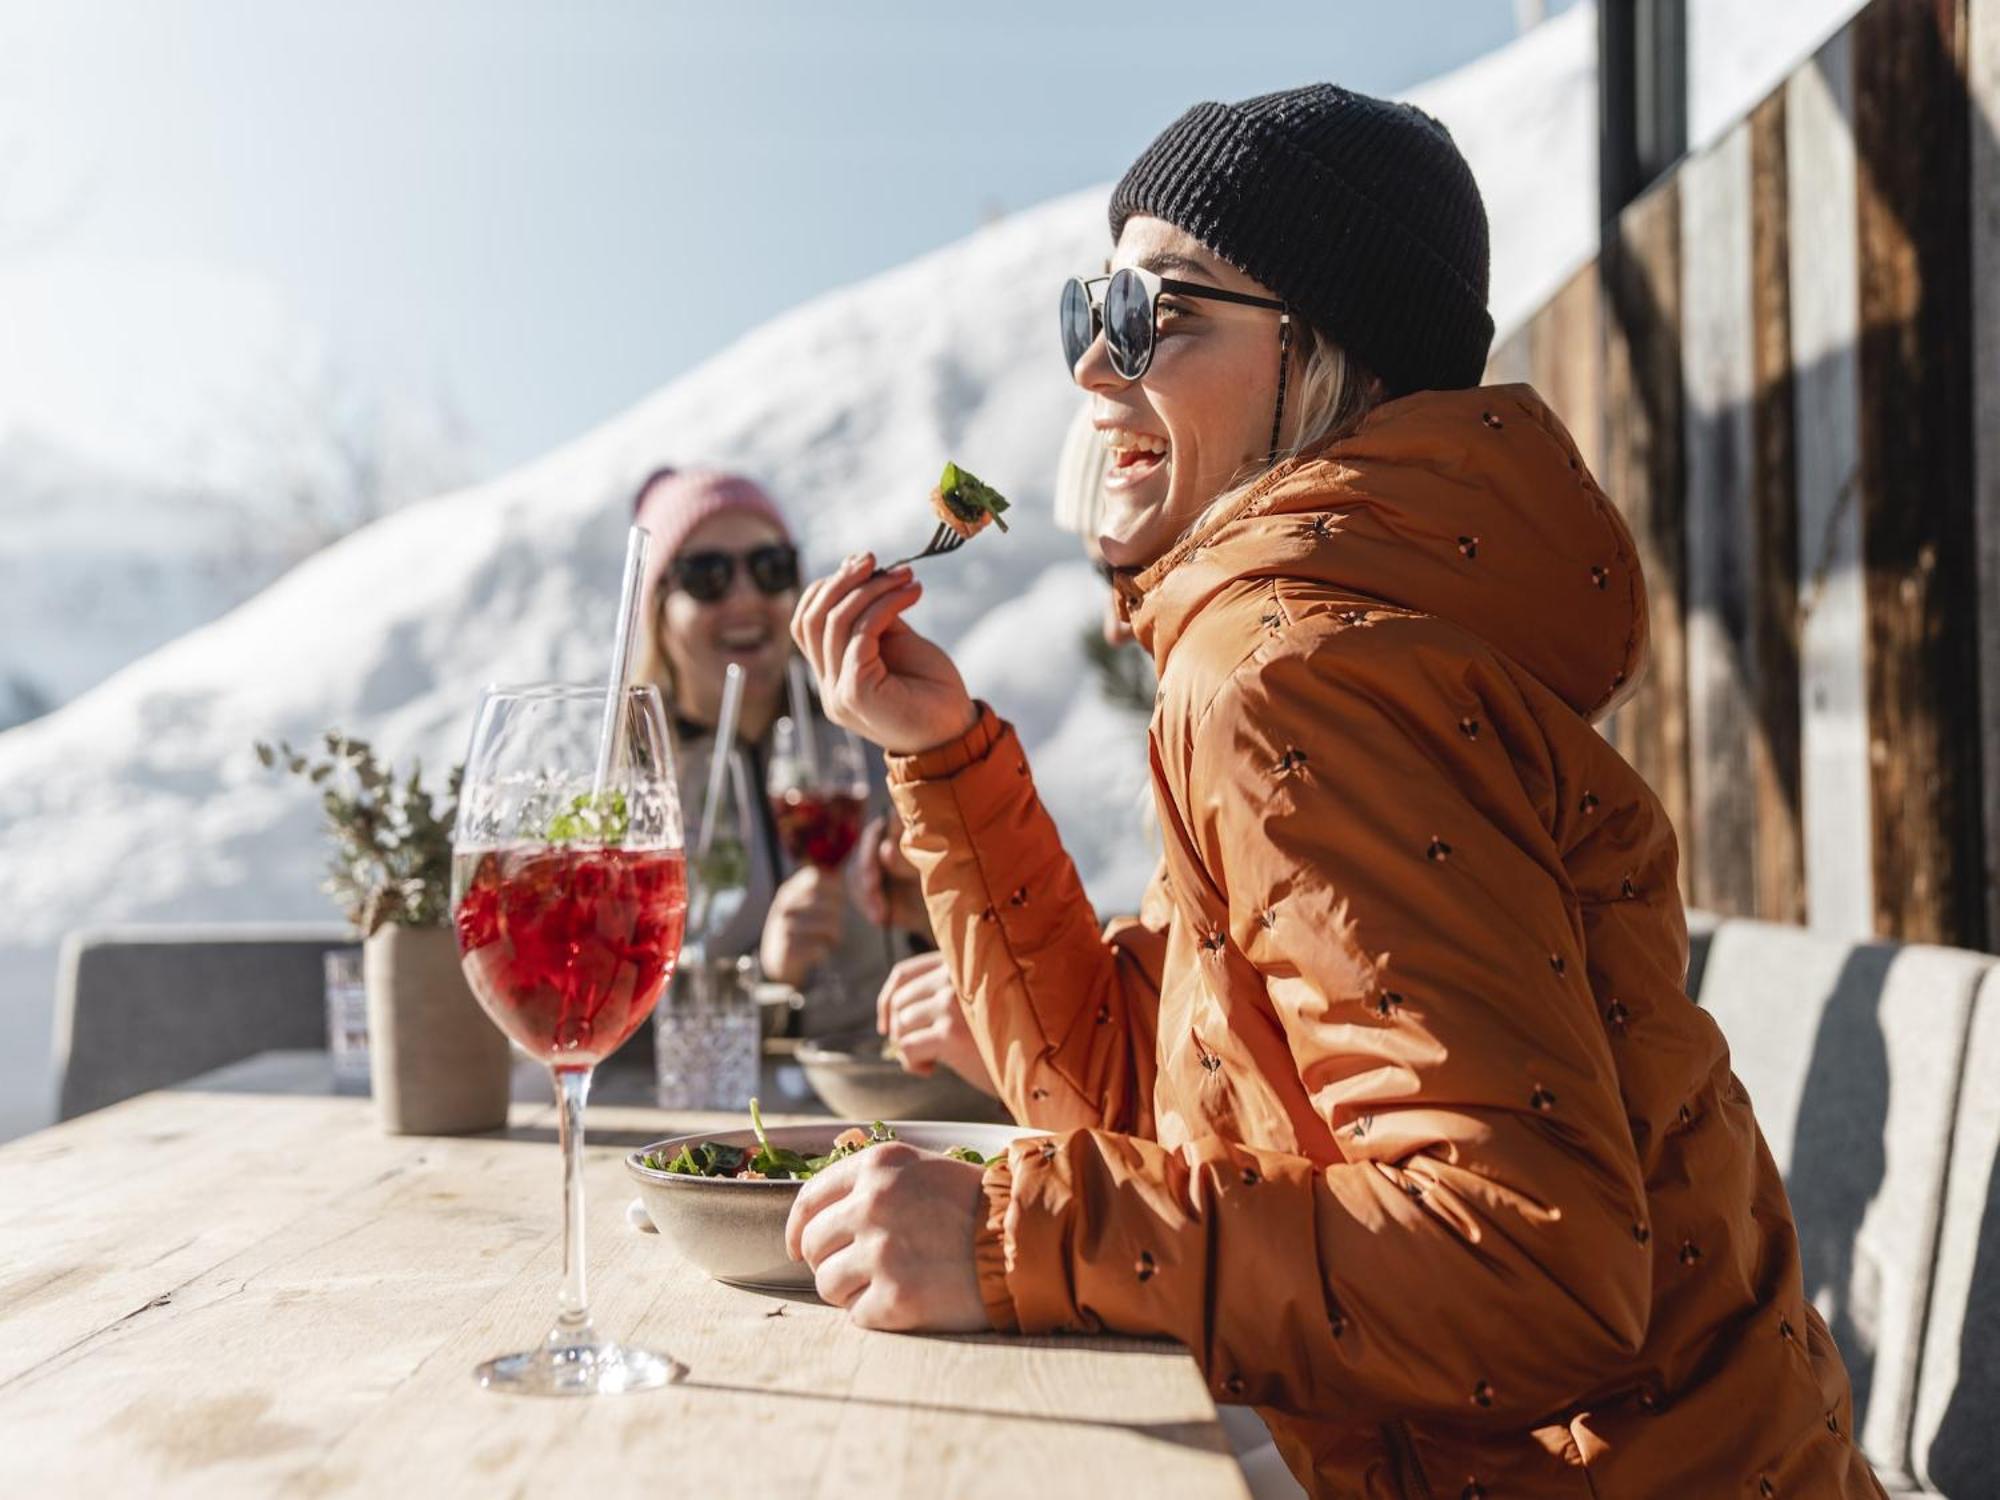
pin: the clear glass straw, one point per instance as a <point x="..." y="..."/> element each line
<point x="718" y="764"/>
<point x="798" y="684"/>
<point x="637" y="541"/>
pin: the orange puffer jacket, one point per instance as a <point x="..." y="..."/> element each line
<point x="1393" y="1108"/>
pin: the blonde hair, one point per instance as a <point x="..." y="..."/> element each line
<point x="1327" y="395"/>
<point x="1079" y="494"/>
<point x="654" y="665"/>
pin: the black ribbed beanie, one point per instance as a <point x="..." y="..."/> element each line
<point x="1359" y="212"/>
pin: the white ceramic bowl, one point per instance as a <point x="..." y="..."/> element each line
<point x="862" y="1083"/>
<point x="735" y="1230"/>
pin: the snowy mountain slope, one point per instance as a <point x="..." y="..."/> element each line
<point x="172" y="438"/>
<point x="97" y="568"/>
<point x="141" y="801"/>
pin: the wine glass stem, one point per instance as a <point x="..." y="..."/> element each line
<point x="572" y="1089"/>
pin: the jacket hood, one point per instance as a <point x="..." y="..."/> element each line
<point x="1472" y="506"/>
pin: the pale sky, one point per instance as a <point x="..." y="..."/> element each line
<point x="548" y="210"/>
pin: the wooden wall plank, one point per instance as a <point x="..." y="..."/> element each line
<point x="1912" y="153"/>
<point x="1716" y="382"/>
<point x="1642" y="472"/>
<point x="1566" y="362"/>
<point x="1510" y="362"/>
<point x="1774" y="619"/>
<point x="1983" y="77"/>
<point x="1835" y="784"/>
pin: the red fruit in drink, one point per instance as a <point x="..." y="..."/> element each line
<point x="820" y="828"/>
<point x="568" y="949"/>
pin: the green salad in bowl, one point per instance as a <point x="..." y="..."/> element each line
<point x="771" y="1163"/>
<point x="721" y="1198"/>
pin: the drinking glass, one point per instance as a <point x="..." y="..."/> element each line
<point x="708" y="1035"/>
<point x="720" y="877"/>
<point x="817" y="781"/>
<point x="346" y="1019"/>
<point x="569" y="894"/>
<point x="818" y="791"/>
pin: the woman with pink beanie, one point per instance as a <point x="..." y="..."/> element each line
<point x="720" y="588"/>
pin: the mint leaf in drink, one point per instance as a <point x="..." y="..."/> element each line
<point x="600" y="819"/>
<point x="726" y="866"/>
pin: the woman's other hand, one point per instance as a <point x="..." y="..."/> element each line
<point x="881" y="881"/>
<point x="803" y="925"/>
<point x="919" y="1011"/>
<point x="877" y="676"/>
<point x="889" y="1235"/>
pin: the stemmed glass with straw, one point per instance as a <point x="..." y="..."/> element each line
<point x="569" y="895"/>
<point x="720" y="858"/>
<point x="818" y="787"/>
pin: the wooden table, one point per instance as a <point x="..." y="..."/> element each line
<point x="242" y="1287"/>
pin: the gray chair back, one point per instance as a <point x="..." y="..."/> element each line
<point x="140" y="1008"/>
<point x="1956" y="1444"/>
<point x="1852" y="1055"/>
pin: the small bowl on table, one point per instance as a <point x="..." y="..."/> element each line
<point x="856" y="1078"/>
<point x="735" y="1229"/>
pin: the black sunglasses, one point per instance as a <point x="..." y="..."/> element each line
<point x="1128" y="318"/>
<point x="707" y="576"/>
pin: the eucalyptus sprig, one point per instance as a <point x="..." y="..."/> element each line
<point x="391" y="859"/>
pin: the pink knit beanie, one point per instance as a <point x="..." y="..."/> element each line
<point x="673" y="502"/>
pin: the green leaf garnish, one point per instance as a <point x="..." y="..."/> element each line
<point x="714" y="1159"/>
<point x="775" y="1161"/>
<point x="709" y="1159"/>
<point x="971" y="496"/>
<point x="600" y="819"/>
<point x="725" y="867"/>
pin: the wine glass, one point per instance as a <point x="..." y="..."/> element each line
<point x="720" y="874"/>
<point x="569" y="893"/>
<point x="817" y="781"/>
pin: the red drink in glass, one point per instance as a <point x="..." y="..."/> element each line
<point x="569" y="948"/>
<point x="820" y="828"/>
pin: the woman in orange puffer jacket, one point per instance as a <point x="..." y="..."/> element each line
<point x="1393" y="1108"/>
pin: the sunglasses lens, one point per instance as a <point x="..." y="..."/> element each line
<point x="704" y="576"/>
<point x="1078" y="326"/>
<point x="775" y="570"/>
<point x="1128" y="324"/>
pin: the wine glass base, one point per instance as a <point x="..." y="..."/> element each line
<point x="588" y="1369"/>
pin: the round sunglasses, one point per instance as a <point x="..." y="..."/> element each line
<point x="707" y="576"/>
<point x="1128" y="317"/>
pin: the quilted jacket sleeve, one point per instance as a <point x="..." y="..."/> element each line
<point x="1478" y="1251"/>
<point x="1064" y="1014"/>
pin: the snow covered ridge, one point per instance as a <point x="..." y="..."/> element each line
<point x="142" y="801"/>
<point x="173" y="439"/>
<point x="844" y="407"/>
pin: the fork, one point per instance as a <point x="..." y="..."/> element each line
<point x="943" y="540"/>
